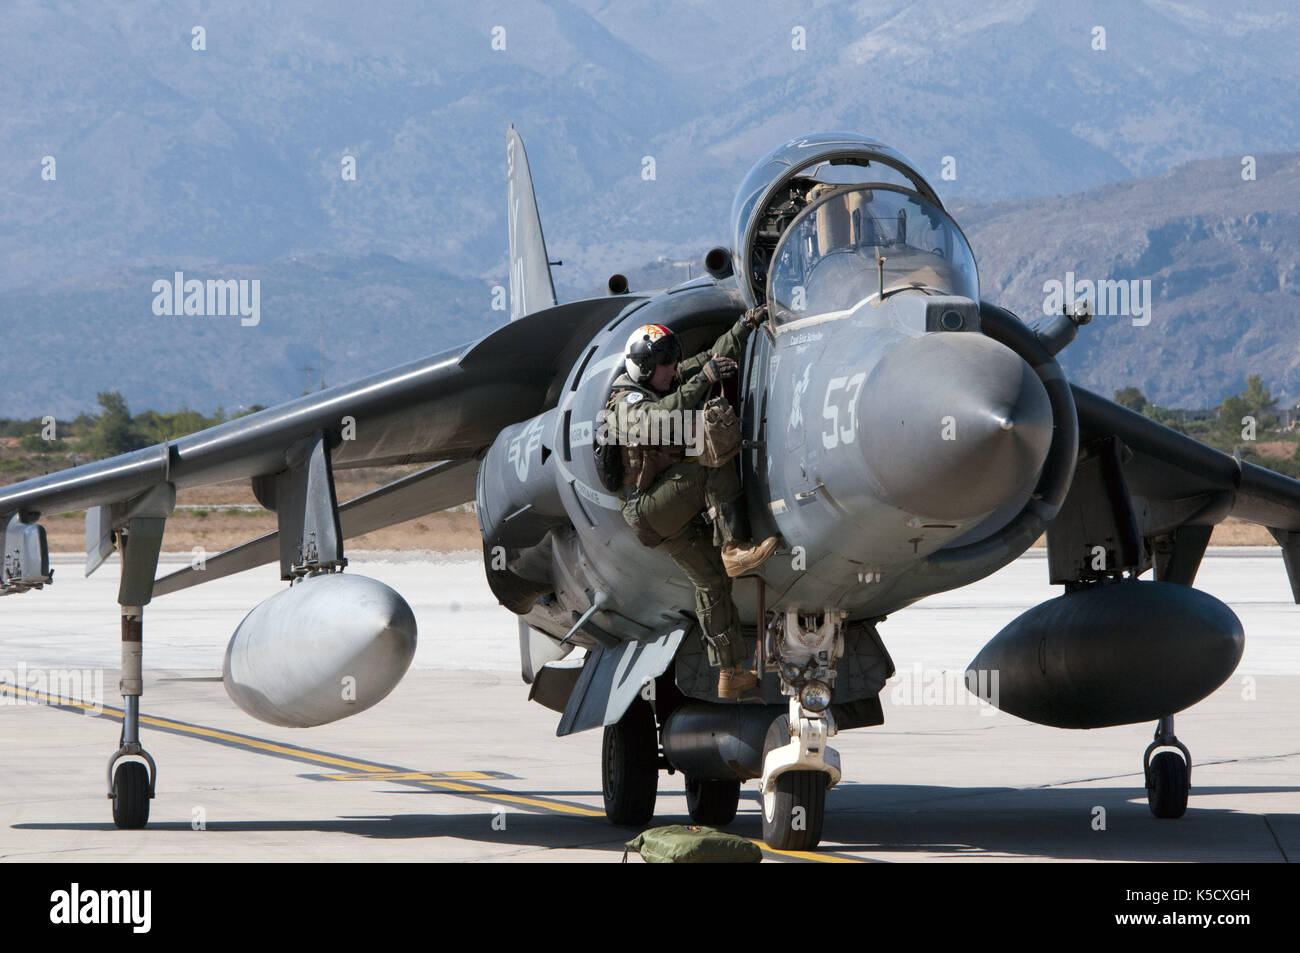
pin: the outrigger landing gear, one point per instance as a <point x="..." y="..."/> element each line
<point x="132" y="785"/>
<point x="798" y="766"/>
<point x="139" y="533"/>
<point x="1168" y="776"/>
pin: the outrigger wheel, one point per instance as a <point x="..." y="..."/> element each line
<point x="629" y="766"/>
<point x="131" y="784"/>
<point x="1168" y="774"/>
<point x="793" y="811"/>
<point x="131" y="795"/>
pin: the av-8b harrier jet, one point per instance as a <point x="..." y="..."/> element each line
<point x="901" y="437"/>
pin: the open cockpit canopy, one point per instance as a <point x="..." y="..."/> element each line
<point x="852" y="201"/>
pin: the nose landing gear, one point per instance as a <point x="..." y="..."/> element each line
<point x="798" y="766"/>
<point x="798" y="770"/>
<point x="1168" y="775"/>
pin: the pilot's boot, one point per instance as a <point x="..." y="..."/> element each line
<point x="735" y="681"/>
<point x="740" y="556"/>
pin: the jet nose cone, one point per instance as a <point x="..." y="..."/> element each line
<point x="955" y="424"/>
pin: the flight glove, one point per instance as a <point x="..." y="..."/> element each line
<point x="754" y="317"/>
<point x="719" y="368"/>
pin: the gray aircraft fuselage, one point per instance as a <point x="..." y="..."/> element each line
<point x="875" y="443"/>
<point x="895" y="444"/>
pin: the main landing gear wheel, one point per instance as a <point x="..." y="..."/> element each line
<point x="1168" y="774"/>
<point x="712" y="802"/>
<point x="793" y="811"/>
<point x="131" y="795"/>
<point x="629" y="766"/>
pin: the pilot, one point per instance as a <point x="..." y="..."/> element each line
<point x="664" y="487"/>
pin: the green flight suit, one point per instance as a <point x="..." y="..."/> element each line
<point x="670" y="507"/>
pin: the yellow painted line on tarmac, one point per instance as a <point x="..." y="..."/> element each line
<point x="810" y="855"/>
<point x="452" y="781"/>
<point x="185" y="728"/>
<point x="545" y="804"/>
<point x="443" y="780"/>
<point x="410" y="776"/>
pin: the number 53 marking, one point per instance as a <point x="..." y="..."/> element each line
<point x="846" y="388"/>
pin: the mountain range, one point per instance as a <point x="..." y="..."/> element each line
<point x="146" y="137"/>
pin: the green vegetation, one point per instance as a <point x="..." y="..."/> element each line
<point x="1241" y="424"/>
<point x="45" y="444"/>
<point x="115" y="430"/>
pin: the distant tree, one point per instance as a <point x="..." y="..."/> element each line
<point x="1131" y="397"/>
<point x="115" y="431"/>
<point x="83" y="426"/>
<point x="159" y="427"/>
<point x="1166" y="416"/>
<point x="1255" y="401"/>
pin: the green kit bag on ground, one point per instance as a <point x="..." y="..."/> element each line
<point x="683" y="844"/>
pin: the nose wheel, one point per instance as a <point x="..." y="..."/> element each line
<point x="794" y="802"/>
<point x="1168" y="774"/>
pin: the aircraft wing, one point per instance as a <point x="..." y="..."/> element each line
<point x="434" y="488"/>
<point x="447" y="407"/>
<point x="1149" y="496"/>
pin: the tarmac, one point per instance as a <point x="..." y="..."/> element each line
<point x="457" y="765"/>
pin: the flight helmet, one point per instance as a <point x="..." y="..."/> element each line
<point x="648" y="347"/>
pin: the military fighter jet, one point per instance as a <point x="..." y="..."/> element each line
<point x="902" y="437"/>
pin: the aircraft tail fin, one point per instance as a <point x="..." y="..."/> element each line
<point x="531" y="287"/>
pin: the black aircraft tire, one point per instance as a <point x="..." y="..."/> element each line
<point x="794" y="811"/>
<point x="131" y="795"/>
<point x="711" y="802"/>
<point x="1169" y="785"/>
<point x="629" y="766"/>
